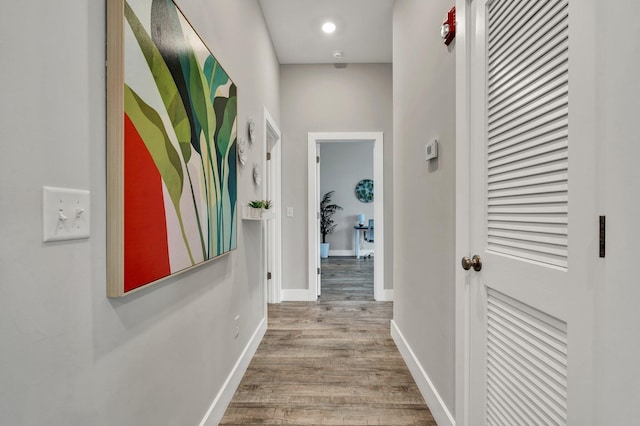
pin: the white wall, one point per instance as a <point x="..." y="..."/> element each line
<point x="70" y="355"/>
<point x="323" y="98"/>
<point x="342" y="166"/>
<point x="424" y="108"/>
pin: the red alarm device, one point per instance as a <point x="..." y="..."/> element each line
<point x="448" y="29"/>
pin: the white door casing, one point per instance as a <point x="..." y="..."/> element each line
<point x="318" y="233"/>
<point x="525" y="321"/>
<point x="273" y="173"/>
<point x="377" y="138"/>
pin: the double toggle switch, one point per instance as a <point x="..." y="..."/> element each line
<point x="65" y="214"/>
<point x="63" y="218"/>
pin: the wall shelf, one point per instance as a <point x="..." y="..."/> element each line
<point x="249" y="213"/>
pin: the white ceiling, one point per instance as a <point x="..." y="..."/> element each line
<point x="363" y="30"/>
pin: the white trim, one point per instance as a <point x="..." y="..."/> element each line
<point x="341" y="253"/>
<point x="273" y="287"/>
<point x="298" y="295"/>
<point x="386" y="295"/>
<point x="378" y="210"/>
<point x="351" y="253"/>
<point x="223" y="398"/>
<point x="438" y="408"/>
<point x="462" y="219"/>
<point x="312" y="208"/>
<point x="378" y="213"/>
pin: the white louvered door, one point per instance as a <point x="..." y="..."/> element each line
<point x="521" y="301"/>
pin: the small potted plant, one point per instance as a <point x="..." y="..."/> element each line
<point x="255" y="208"/>
<point x="327" y="225"/>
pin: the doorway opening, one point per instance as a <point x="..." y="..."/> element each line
<point x="345" y="278"/>
<point x="314" y="261"/>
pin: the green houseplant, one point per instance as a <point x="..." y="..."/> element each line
<point x="327" y="225"/>
<point x="257" y="206"/>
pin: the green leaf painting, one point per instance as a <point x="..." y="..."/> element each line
<point x="183" y="107"/>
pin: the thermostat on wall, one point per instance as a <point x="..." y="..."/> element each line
<point x="431" y="149"/>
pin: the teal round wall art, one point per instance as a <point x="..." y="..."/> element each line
<point x="364" y="190"/>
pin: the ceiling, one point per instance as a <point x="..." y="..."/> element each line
<point x="363" y="30"/>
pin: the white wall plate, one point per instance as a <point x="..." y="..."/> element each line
<point x="66" y="214"/>
<point x="431" y="150"/>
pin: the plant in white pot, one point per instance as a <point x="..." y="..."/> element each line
<point x="256" y="207"/>
<point x="327" y="225"/>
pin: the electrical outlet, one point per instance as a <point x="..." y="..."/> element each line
<point x="236" y="326"/>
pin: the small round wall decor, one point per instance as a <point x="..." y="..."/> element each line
<point x="257" y="179"/>
<point x="242" y="151"/>
<point x="251" y="130"/>
<point x="364" y="190"/>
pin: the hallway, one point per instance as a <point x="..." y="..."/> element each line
<point x="331" y="361"/>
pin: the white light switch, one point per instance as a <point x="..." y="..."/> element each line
<point x="289" y="211"/>
<point x="65" y="214"/>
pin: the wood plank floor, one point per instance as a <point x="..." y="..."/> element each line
<point x="330" y="362"/>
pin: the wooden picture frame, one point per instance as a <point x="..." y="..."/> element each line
<point x="171" y="147"/>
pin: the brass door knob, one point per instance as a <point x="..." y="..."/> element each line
<point x="474" y="262"/>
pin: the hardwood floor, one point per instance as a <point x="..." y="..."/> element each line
<point x="330" y="362"/>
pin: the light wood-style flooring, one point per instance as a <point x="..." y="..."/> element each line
<point x="330" y="362"/>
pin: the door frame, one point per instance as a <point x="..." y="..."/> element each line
<point x="462" y="215"/>
<point x="313" y="139"/>
<point x="273" y="188"/>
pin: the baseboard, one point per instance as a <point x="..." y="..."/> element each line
<point x="386" y="296"/>
<point x="297" y="295"/>
<point x="349" y="253"/>
<point x="221" y="402"/>
<point x="341" y="253"/>
<point x="437" y="406"/>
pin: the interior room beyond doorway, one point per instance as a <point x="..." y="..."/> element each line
<point x="345" y="170"/>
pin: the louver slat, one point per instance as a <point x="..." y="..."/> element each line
<point x="531" y="37"/>
<point x="526" y="364"/>
<point x="527" y="131"/>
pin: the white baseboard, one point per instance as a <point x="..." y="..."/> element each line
<point x="386" y="296"/>
<point x="298" y="295"/>
<point x="349" y="253"/>
<point x="341" y="253"/>
<point x="221" y="402"/>
<point x="430" y="394"/>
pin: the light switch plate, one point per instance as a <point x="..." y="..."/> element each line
<point x="289" y="211"/>
<point x="66" y="214"/>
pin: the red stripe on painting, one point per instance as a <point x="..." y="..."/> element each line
<point x="146" y="249"/>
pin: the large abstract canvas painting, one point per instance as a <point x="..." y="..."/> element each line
<point x="172" y="124"/>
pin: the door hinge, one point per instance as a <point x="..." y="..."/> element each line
<point x="602" y="236"/>
<point x="318" y="215"/>
<point x="268" y="275"/>
<point x="318" y="159"/>
<point x="268" y="156"/>
<point x="318" y="271"/>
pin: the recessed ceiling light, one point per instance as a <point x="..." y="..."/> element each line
<point x="328" y="27"/>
